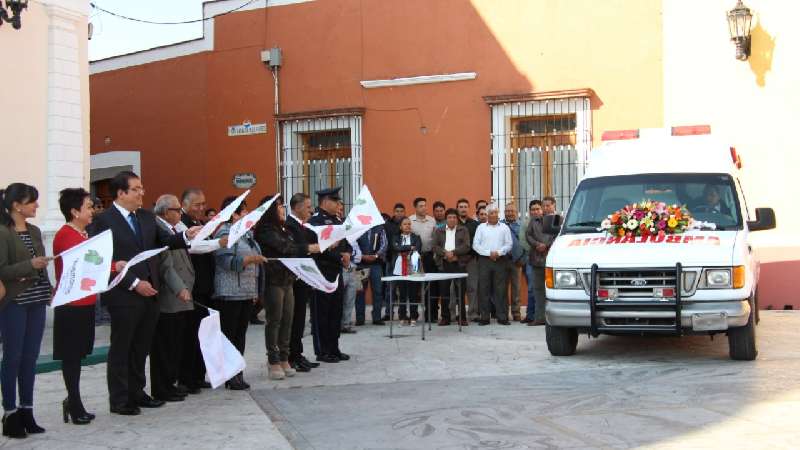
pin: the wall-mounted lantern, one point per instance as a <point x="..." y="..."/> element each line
<point x="16" y="7"/>
<point x="739" y="21"/>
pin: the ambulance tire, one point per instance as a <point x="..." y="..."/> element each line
<point x="742" y="341"/>
<point x="561" y="341"/>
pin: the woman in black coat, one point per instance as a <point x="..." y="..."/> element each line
<point x="277" y="242"/>
<point x="403" y="244"/>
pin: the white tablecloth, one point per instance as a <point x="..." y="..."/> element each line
<point x="425" y="277"/>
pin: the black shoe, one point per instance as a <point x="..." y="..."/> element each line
<point x="385" y="318"/>
<point x="300" y="367"/>
<point x="170" y="398"/>
<point x="359" y="323"/>
<point x="503" y="322"/>
<point x="28" y="422"/>
<point x="302" y="364"/>
<point x="256" y="321"/>
<point x="348" y="330"/>
<point x="242" y="382"/>
<point x="145" y="401"/>
<point x="475" y="320"/>
<point x="12" y="426"/>
<point x="77" y="419"/>
<point x="327" y="358"/>
<point x="308" y="363"/>
<point x="526" y="320"/>
<point x="536" y="323"/>
<point x="237" y="383"/>
<point x="183" y="389"/>
<point x="126" y="410"/>
<point x="342" y="356"/>
<point x="483" y="322"/>
<point x="378" y="322"/>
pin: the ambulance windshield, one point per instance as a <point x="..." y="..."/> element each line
<point x="708" y="197"/>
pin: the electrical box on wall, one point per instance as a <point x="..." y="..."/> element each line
<point x="271" y="57"/>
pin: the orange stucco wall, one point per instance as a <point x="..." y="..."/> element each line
<point x="176" y="111"/>
<point x="160" y="110"/>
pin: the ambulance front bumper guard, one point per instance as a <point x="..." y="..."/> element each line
<point x="645" y="315"/>
<point x="576" y="314"/>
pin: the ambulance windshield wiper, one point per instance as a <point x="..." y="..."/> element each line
<point x="582" y="227"/>
<point x="585" y="224"/>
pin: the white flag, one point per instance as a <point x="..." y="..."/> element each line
<point x="328" y="235"/>
<point x="147" y="254"/>
<point x="247" y="222"/>
<point x="87" y="267"/>
<point x="306" y="269"/>
<point x="222" y="359"/>
<point x="363" y="215"/>
<point x="220" y="218"/>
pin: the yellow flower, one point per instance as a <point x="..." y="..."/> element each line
<point x="672" y="223"/>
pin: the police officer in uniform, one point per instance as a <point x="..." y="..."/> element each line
<point x="327" y="320"/>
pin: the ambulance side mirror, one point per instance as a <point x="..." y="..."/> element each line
<point x="551" y="224"/>
<point x="765" y="220"/>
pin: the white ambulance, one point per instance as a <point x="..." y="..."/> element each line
<point x="701" y="281"/>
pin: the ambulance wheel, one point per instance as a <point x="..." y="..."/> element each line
<point x="561" y="341"/>
<point x="742" y="341"/>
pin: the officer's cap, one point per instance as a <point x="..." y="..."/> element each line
<point x="331" y="193"/>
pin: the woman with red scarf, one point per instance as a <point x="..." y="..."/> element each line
<point x="403" y="245"/>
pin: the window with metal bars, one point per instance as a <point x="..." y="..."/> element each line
<point x="539" y="148"/>
<point x="321" y="152"/>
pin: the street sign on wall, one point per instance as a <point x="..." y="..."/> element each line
<point x="247" y="128"/>
<point x="244" y="180"/>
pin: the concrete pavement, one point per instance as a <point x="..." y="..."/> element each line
<point x="488" y="387"/>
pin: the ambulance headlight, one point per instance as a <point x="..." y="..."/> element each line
<point x="566" y="279"/>
<point x="718" y="278"/>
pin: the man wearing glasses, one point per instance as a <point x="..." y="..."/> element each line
<point x="132" y="304"/>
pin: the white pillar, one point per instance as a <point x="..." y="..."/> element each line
<point x="66" y="150"/>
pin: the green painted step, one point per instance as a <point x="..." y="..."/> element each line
<point x="46" y="363"/>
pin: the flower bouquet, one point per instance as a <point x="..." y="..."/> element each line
<point x="648" y="218"/>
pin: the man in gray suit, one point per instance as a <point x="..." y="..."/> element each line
<point x="175" y="304"/>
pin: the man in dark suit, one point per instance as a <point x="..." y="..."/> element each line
<point x="132" y="304"/>
<point x="328" y="318"/>
<point x="300" y="211"/>
<point x="451" y="251"/>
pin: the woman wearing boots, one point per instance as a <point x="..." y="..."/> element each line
<point x="277" y="242"/>
<point x="236" y="285"/>
<point x="28" y="290"/>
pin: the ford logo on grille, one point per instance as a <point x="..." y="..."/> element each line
<point x="639" y="282"/>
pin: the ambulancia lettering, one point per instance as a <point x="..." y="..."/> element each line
<point x="654" y="239"/>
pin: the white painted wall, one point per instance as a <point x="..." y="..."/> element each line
<point x="754" y="104"/>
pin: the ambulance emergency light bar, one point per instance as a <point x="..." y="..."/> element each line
<point x="687" y="130"/>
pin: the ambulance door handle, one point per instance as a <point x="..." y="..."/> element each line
<point x="749" y="248"/>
